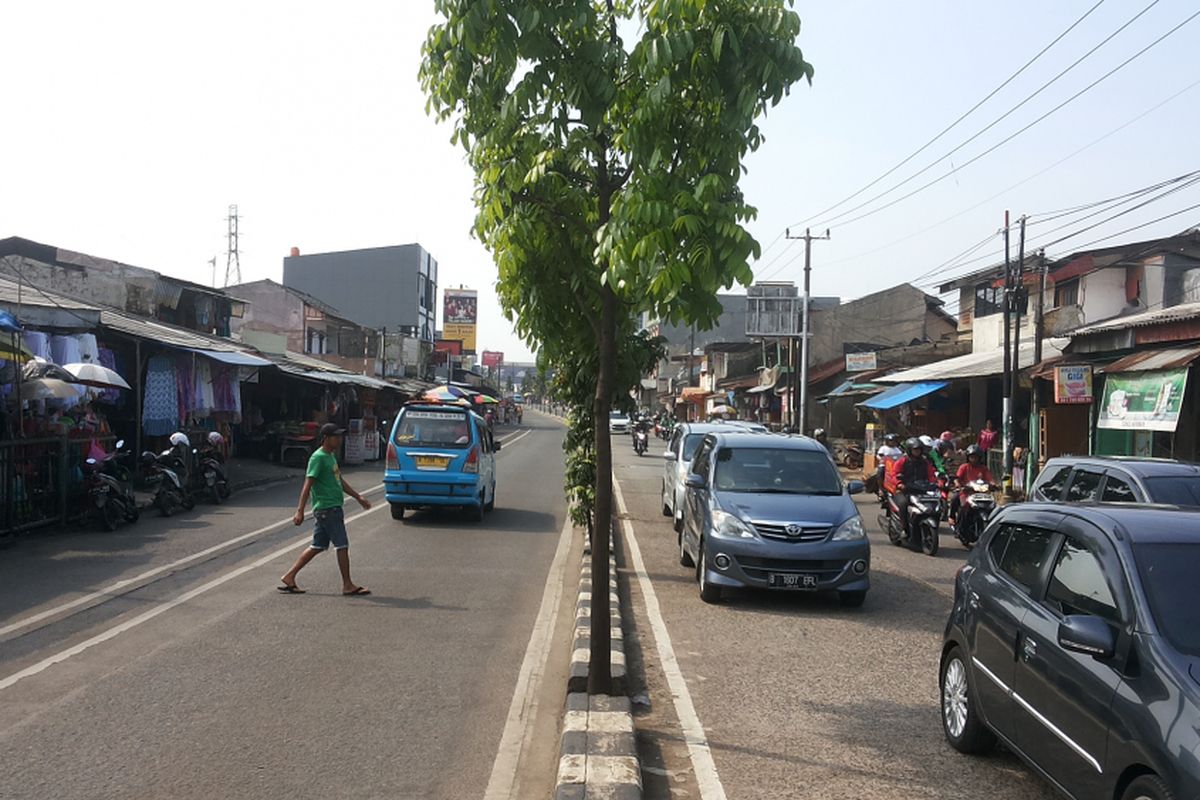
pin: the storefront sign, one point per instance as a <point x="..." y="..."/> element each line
<point x="492" y="359"/>
<point x="1073" y="384"/>
<point x="1143" y="401"/>
<point x="861" y="362"/>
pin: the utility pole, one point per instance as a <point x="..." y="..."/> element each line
<point x="1006" y="388"/>
<point x="804" y="330"/>
<point x="1035" y="417"/>
<point x="233" y="261"/>
<point x="1017" y="295"/>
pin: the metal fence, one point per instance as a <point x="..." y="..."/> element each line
<point x="42" y="480"/>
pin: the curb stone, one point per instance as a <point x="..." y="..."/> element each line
<point x="598" y="757"/>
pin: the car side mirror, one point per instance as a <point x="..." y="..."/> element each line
<point x="1087" y="634"/>
<point x="694" y="481"/>
<point x="669" y="456"/>
<point x="855" y="487"/>
<point x="496" y="446"/>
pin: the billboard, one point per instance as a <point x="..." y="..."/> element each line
<point x="1073" y="384"/>
<point x="1146" y="401"/>
<point x="773" y="309"/>
<point x="492" y="359"/>
<point x="861" y="362"/>
<point x="460" y="311"/>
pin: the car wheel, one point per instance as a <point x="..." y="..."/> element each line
<point x="1148" y="787"/>
<point x="964" y="729"/>
<point x="709" y="593"/>
<point x="475" y="511"/>
<point x="398" y="510"/>
<point x="491" y="504"/>
<point x="853" y="599"/>
<point x="685" y="560"/>
<point x="666" y="508"/>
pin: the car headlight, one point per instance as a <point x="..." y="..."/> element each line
<point x="729" y="526"/>
<point x="850" y="530"/>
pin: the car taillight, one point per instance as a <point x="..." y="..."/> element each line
<point x="393" y="460"/>
<point x="472" y="464"/>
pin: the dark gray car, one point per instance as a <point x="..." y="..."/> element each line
<point x="772" y="512"/>
<point x="1075" y="640"/>
<point x="1117" y="479"/>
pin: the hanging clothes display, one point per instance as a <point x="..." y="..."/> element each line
<point x="113" y="397"/>
<point x="65" y="350"/>
<point x="38" y="344"/>
<point x="89" y="352"/>
<point x="160" y="406"/>
<point x="184" y="381"/>
<point x="202" y="389"/>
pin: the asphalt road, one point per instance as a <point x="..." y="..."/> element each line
<point x="197" y="679"/>
<point x="798" y="697"/>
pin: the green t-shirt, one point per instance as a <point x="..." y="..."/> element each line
<point x="327" y="480"/>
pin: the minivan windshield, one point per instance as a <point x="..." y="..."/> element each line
<point x="1168" y="573"/>
<point x="1176" y="490"/>
<point x="768" y="470"/>
<point x="421" y="427"/>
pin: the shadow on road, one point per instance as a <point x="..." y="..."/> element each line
<point x="502" y="520"/>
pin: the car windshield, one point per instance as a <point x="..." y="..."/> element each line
<point x="691" y="443"/>
<point x="770" y="470"/>
<point x="616" y="415"/>
<point x="1177" y="490"/>
<point x="433" y="428"/>
<point x="1169" y="576"/>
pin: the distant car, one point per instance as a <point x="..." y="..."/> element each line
<point x="618" y="422"/>
<point x="1082" y="479"/>
<point x="440" y="455"/>
<point x="1075" y="640"/>
<point x="685" y="438"/>
<point x="770" y="512"/>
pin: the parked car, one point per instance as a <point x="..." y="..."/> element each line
<point x="1113" y="479"/>
<point x="685" y="438"/>
<point x="1075" y="640"/>
<point x="771" y="512"/>
<point x="618" y="422"/>
<point x="440" y="455"/>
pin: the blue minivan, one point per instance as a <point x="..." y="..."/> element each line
<point x="440" y="455"/>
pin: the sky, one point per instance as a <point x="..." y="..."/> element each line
<point x="132" y="126"/>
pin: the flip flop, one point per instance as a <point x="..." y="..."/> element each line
<point x="361" y="590"/>
<point x="289" y="589"/>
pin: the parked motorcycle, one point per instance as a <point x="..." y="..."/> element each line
<point x="212" y="462"/>
<point x="850" y="456"/>
<point x="641" y="440"/>
<point x="976" y="505"/>
<point x="110" y="489"/>
<point x="924" y="516"/>
<point x="161" y="474"/>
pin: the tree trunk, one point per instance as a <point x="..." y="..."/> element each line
<point x="599" y="668"/>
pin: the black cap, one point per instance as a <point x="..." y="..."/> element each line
<point x="329" y="429"/>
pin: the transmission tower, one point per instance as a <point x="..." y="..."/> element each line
<point x="233" y="262"/>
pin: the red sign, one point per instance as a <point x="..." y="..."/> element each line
<point x="452" y="346"/>
<point x="492" y="358"/>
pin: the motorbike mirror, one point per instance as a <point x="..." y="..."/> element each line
<point x="91" y="461"/>
<point x="120" y="443"/>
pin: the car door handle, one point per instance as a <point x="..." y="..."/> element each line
<point x="973" y="600"/>
<point x="1028" y="649"/>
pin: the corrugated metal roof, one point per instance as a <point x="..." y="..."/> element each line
<point x="165" y="333"/>
<point x="1173" y="314"/>
<point x="1146" y="360"/>
<point x="973" y="365"/>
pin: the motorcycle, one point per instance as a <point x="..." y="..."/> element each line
<point x="976" y="505"/>
<point x="850" y="456"/>
<point x="212" y="462"/>
<point x="924" y="516"/>
<point x="161" y="473"/>
<point x="640" y="442"/>
<point x="110" y="489"/>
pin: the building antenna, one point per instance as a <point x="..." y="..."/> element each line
<point x="212" y="262"/>
<point x="233" y="261"/>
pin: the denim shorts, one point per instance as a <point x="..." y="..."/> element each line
<point x="330" y="529"/>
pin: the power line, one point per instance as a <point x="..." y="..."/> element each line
<point x="1008" y="138"/>
<point x="966" y="114"/>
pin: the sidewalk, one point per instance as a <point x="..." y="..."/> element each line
<point x="244" y="473"/>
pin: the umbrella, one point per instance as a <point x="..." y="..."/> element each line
<point x="445" y="394"/>
<point x="37" y="367"/>
<point x="94" y="374"/>
<point x="722" y="410"/>
<point x="49" y="389"/>
<point x="482" y="399"/>
<point x="12" y="348"/>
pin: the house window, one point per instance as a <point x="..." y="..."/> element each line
<point x="1066" y="293"/>
<point x="989" y="300"/>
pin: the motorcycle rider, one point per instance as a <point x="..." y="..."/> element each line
<point x="641" y="424"/>
<point x="912" y="468"/>
<point x="888" y="451"/>
<point x="972" y="470"/>
<point x="933" y="454"/>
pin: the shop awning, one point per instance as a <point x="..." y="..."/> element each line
<point x="238" y="359"/>
<point x="161" y="333"/>
<point x="973" y="365"/>
<point x="694" y="394"/>
<point x="1146" y="360"/>
<point x="904" y="393"/>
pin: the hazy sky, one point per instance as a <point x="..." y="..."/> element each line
<point x="131" y="126"/>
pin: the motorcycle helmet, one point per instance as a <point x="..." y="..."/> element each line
<point x="819" y="433"/>
<point x="947" y="436"/>
<point x="974" y="450"/>
<point x="215" y="439"/>
<point x="913" y="443"/>
<point x="179" y="438"/>
<point x="927" y="442"/>
<point x="893" y="439"/>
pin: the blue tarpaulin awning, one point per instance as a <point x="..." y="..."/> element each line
<point x="902" y="393"/>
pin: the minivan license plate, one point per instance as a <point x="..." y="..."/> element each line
<point x="793" y="581"/>
<point x="431" y="462"/>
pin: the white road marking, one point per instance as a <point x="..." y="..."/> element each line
<point x="703" y="765"/>
<point x="161" y="608"/>
<point x="518" y="728"/>
<point x="137" y="580"/>
<point x="510" y="440"/>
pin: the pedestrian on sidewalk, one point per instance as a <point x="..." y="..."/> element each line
<point x="324" y="483"/>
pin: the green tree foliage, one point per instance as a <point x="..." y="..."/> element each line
<point x="607" y="139"/>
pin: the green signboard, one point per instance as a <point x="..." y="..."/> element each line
<point x="1143" y="401"/>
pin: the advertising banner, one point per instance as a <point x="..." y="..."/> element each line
<point x="460" y="311"/>
<point x="861" y="362"/>
<point x="1143" y="401"/>
<point x="492" y="359"/>
<point x="1073" y="384"/>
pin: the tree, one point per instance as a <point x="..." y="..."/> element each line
<point x="607" y="139"/>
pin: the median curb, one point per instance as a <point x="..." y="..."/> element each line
<point x="598" y="758"/>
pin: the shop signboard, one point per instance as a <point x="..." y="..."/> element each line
<point x="1143" y="401"/>
<point x="459" y="316"/>
<point x="861" y="362"/>
<point x="492" y="359"/>
<point x="1073" y="384"/>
